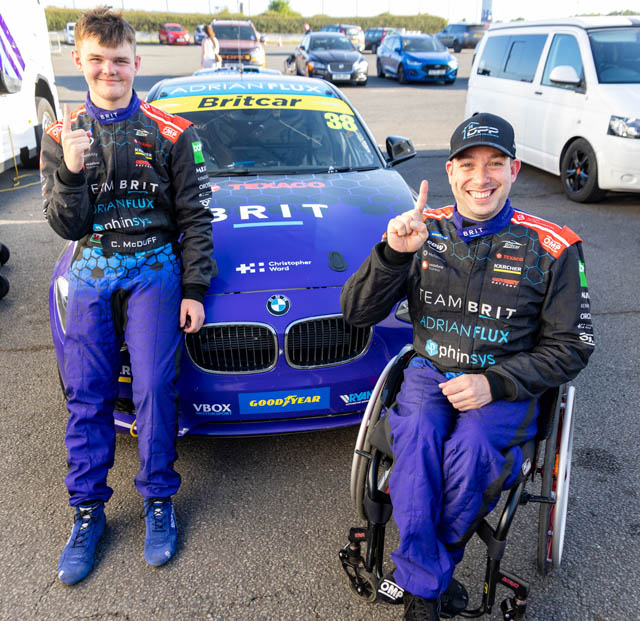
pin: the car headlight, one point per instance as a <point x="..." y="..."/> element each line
<point x="257" y="54"/>
<point x="317" y="66"/>
<point x="453" y="63"/>
<point x="361" y="65"/>
<point x="402" y="312"/>
<point x="62" y="295"/>
<point x="625" y="127"/>
<point x="413" y="63"/>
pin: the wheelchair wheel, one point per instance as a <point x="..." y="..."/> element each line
<point x="360" y="463"/>
<point x="556" y="474"/>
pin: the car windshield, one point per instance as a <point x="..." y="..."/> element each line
<point x="261" y="136"/>
<point x="330" y="43"/>
<point x="175" y="28"/>
<point x="228" y="32"/>
<point x="422" y="44"/>
<point x="353" y="31"/>
<point x="616" y="52"/>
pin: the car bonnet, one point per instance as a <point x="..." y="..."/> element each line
<point x="277" y="231"/>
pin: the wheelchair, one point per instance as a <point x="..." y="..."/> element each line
<point x="362" y="556"/>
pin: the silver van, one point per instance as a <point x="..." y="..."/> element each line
<point x="571" y="90"/>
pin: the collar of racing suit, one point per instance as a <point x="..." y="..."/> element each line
<point x="470" y="229"/>
<point x="107" y="117"/>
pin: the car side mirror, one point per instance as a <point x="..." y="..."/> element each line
<point x="399" y="149"/>
<point x="262" y="38"/>
<point x="565" y="74"/>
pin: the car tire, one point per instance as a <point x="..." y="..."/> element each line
<point x="402" y="78"/>
<point x="46" y="116"/>
<point x="374" y="48"/>
<point x="380" y="70"/>
<point x="457" y="47"/>
<point x="361" y="83"/>
<point x="4" y="254"/>
<point x="449" y="82"/>
<point x="579" y="173"/>
<point x="4" y="286"/>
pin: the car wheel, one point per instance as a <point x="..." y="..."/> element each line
<point x="579" y="173"/>
<point x="380" y="70"/>
<point x="4" y="286"/>
<point x="4" y="254"/>
<point x="364" y="83"/>
<point x="402" y="78"/>
<point x="46" y="116"/>
<point x="457" y="47"/>
<point x="449" y="82"/>
<point x="374" y="48"/>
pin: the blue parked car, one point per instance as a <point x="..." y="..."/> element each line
<point x="300" y="193"/>
<point x="416" y="58"/>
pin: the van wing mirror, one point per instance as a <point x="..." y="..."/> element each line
<point x="564" y="74"/>
<point x="399" y="149"/>
<point x="10" y="82"/>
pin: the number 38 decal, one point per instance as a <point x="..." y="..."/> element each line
<point x="340" y="121"/>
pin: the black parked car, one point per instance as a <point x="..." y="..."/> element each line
<point x="373" y="37"/>
<point x="458" y="36"/>
<point x="331" y="56"/>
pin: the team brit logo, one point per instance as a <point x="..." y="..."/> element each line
<point x="278" y="305"/>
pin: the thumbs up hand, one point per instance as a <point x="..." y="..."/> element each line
<point x="75" y="143"/>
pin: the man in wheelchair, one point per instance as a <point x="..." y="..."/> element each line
<point x="500" y="311"/>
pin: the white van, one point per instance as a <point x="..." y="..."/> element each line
<point x="571" y="90"/>
<point x="28" y="95"/>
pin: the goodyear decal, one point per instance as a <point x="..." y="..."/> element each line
<point x="253" y="102"/>
<point x="284" y="401"/>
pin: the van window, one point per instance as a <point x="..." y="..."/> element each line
<point x="564" y="50"/>
<point x="616" y="53"/>
<point x="512" y="57"/>
<point x="523" y="56"/>
<point x="493" y="55"/>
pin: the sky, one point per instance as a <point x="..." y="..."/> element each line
<point x="452" y="10"/>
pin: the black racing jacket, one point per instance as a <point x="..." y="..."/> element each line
<point x="513" y="304"/>
<point x="144" y="184"/>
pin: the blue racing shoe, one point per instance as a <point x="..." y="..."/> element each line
<point x="77" y="558"/>
<point x="162" y="531"/>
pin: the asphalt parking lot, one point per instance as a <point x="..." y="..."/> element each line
<point x="262" y="519"/>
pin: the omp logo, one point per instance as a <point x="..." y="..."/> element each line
<point x="390" y="591"/>
<point x="213" y="408"/>
<point x="54" y="131"/>
<point x="587" y="338"/>
<point x="169" y="132"/>
<point x="551" y="244"/>
<point x="356" y="397"/>
<point x="437" y="246"/>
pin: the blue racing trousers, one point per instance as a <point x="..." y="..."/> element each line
<point x="449" y="470"/>
<point x="111" y="298"/>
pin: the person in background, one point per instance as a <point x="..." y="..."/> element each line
<point x="307" y="28"/>
<point x="210" y="58"/>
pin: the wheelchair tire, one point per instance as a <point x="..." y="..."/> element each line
<point x="556" y="474"/>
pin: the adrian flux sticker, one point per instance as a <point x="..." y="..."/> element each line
<point x="278" y="305"/>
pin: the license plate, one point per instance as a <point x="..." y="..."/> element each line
<point x="437" y="71"/>
<point x="341" y="76"/>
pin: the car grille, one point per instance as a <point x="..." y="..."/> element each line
<point x="340" y="67"/>
<point x="433" y="67"/>
<point x="233" y="348"/>
<point x="236" y="55"/>
<point x="324" y="341"/>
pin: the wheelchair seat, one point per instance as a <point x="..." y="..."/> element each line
<point x="372" y="467"/>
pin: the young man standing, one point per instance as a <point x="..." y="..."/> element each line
<point x="127" y="181"/>
<point x="500" y="311"/>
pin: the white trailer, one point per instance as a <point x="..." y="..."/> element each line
<point x="28" y="95"/>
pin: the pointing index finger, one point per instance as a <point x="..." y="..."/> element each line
<point x="421" y="202"/>
<point x="66" y="119"/>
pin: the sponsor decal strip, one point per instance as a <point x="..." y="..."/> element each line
<point x="253" y="102"/>
<point x="246" y="225"/>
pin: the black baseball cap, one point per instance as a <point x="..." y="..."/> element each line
<point x="483" y="129"/>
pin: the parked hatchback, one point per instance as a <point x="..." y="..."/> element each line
<point x="458" y="36"/>
<point x="173" y="34"/>
<point x="373" y="37"/>
<point x="571" y="90"/>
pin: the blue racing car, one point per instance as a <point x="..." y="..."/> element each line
<point x="300" y="192"/>
<point x="416" y="58"/>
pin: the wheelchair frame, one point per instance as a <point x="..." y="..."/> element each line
<point x="371" y="469"/>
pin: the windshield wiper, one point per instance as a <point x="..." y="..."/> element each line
<point x="333" y="169"/>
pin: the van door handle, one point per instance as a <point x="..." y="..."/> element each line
<point x="537" y="92"/>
